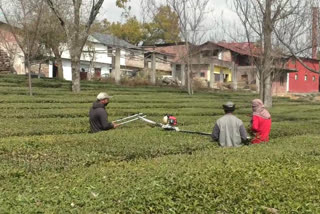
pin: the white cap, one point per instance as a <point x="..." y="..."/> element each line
<point x="103" y="95"/>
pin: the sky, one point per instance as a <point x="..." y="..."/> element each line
<point x="113" y="13"/>
<point x="221" y="11"/>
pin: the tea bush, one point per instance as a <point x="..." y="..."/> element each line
<point x="49" y="163"/>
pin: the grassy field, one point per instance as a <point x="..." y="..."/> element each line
<point x="49" y="163"/>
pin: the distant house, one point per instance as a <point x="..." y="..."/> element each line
<point x="172" y="55"/>
<point x="202" y="59"/>
<point x="291" y="77"/>
<point x="11" y="56"/>
<point x="163" y="61"/>
<point x="242" y="55"/>
<point x="304" y="80"/>
<point x="97" y="58"/>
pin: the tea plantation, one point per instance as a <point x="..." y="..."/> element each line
<point x="49" y="163"/>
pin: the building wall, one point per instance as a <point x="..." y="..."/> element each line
<point x="18" y="64"/>
<point x="67" y="73"/>
<point x="163" y="63"/>
<point x="279" y="84"/>
<point x="179" y="52"/>
<point x="9" y="45"/>
<point x="97" y="53"/>
<point x="44" y="69"/>
<point x="135" y="59"/>
<point x="203" y="71"/>
<point x="304" y="81"/>
<point x="226" y="55"/>
<point x="246" y="74"/>
<point x="217" y="70"/>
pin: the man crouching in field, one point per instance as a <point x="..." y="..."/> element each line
<point x="229" y="131"/>
<point x="98" y="114"/>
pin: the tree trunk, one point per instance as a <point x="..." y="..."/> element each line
<point x="189" y="71"/>
<point x="75" y="69"/>
<point x="58" y="61"/>
<point x="267" y="69"/>
<point x="189" y="79"/>
<point x="153" y="69"/>
<point x="261" y="87"/>
<point x="27" y="68"/>
<point x="211" y="83"/>
<point x="39" y="71"/>
<point x="117" y="66"/>
<point x="183" y="75"/>
<point x="268" y="92"/>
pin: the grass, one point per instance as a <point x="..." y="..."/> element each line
<point x="49" y="163"/>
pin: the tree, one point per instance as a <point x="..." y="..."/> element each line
<point x="24" y="20"/>
<point x="278" y="25"/>
<point x="163" y="28"/>
<point x="191" y="15"/>
<point x="75" y="33"/>
<point x="130" y="31"/>
<point x="53" y="38"/>
<point x="76" y="24"/>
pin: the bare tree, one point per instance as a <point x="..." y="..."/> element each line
<point x="24" y="19"/>
<point x="53" y="38"/>
<point x="191" y="15"/>
<point x="76" y="25"/>
<point x="280" y="28"/>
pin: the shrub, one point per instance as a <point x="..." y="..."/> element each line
<point x="51" y="164"/>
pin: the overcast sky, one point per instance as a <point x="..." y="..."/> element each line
<point x="113" y="13"/>
<point x="221" y="11"/>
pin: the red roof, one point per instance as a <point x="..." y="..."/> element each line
<point x="178" y="51"/>
<point x="243" y="48"/>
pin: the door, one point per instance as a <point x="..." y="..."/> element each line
<point x="97" y="72"/>
<point x="83" y="75"/>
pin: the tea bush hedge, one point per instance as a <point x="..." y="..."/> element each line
<point x="49" y="163"/>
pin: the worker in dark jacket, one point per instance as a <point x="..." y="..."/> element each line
<point x="229" y="131"/>
<point x="98" y="115"/>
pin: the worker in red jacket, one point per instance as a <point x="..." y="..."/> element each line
<point x="260" y="123"/>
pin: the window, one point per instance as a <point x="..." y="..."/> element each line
<point x="110" y="52"/>
<point x="296" y="77"/>
<point x="131" y="55"/>
<point x="305" y="77"/>
<point x="202" y="74"/>
<point x="215" y="52"/>
<point x="205" y="53"/>
<point x="165" y="58"/>
<point x="313" y="78"/>
<point x="244" y="77"/>
<point x="216" y="77"/>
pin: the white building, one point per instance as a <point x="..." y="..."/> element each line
<point x="97" y="56"/>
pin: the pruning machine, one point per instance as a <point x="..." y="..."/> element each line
<point x="129" y="119"/>
<point x="169" y="123"/>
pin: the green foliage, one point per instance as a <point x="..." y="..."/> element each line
<point x="131" y="31"/>
<point x="164" y="27"/>
<point x="51" y="164"/>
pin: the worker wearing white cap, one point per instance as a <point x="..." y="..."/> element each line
<point x="98" y="115"/>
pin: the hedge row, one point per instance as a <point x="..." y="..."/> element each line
<point x="256" y="179"/>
